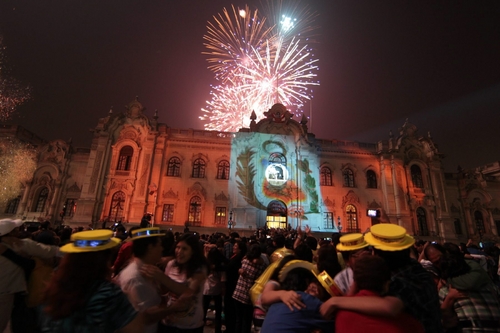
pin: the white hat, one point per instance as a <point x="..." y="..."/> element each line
<point x="7" y="225"/>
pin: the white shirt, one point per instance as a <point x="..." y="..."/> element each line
<point x="344" y="279"/>
<point x="11" y="275"/>
<point x="141" y="292"/>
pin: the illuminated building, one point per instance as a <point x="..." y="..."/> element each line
<point x="272" y="173"/>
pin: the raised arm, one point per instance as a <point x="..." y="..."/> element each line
<point x="388" y="306"/>
<point x="272" y="294"/>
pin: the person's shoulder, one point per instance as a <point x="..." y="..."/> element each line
<point x="130" y="272"/>
<point x="105" y="290"/>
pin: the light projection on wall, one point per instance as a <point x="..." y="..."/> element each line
<point x="276" y="167"/>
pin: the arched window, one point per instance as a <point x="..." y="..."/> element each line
<point x="325" y="177"/>
<point x="41" y="199"/>
<point x="168" y="213"/>
<point x="478" y="217"/>
<point x="69" y="208"/>
<point x="416" y="176"/>
<point x="194" y="214"/>
<point x="12" y="206"/>
<point x="277" y="158"/>
<point x="174" y="167"/>
<point x="198" y="168"/>
<point x="371" y="179"/>
<point x="352" y="219"/>
<point x="348" y="176"/>
<point x="423" y="230"/>
<point x="125" y="158"/>
<point x="117" y="205"/>
<point x="223" y="170"/>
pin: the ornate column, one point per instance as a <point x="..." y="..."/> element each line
<point x="396" y="191"/>
<point x="383" y="184"/>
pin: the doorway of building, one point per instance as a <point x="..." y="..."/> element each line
<point x="276" y="215"/>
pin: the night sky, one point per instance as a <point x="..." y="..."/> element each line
<point x="434" y="62"/>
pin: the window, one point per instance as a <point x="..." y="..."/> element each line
<point x="325" y="177"/>
<point x="458" y="226"/>
<point x="168" y="213"/>
<point x="199" y="168"/>
<point x="194" y="214"/>
<point x="223" y="170"/>
<point x="478" y="217"/>
<point x="277" y="158"/>
<point x="371" y="179"/>
<point x="220" y="215"/>
<point x="423" y="230"/>
<point x="416" y="176"/>
<point x="348" y="178"/>
<point x="69" y="208"/>
<point x="41" y="200"/>
<point x="12" y="206"/>
<point x="125" y="158"/>
<point x="352" y="219"/>
<point x="174" y="167"/>
<point x="328" y="221"/>
<point x="117" y="205"/>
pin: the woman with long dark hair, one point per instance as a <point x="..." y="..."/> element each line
<point x="188" y="268"/>
<point x="81" y="297"/>
<point x="232" y="275"/>
<point x="214" y="283"/>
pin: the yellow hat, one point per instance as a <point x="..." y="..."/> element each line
<point x="145" y="232"/>
<point x="351" y="242"/>
<point x="280" y="254"/>
<point x="327" y="282"/>
<point x="91" y="241"/>
<point x="389" y="237"/>
<point x="292" y="264"/>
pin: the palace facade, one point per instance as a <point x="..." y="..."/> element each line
<point x="273" y="173"/>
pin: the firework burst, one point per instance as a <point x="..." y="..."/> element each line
<point x="17" y="164"/>
<point x="231" y="38"/>
<point x="12" y="92"/>
<point x="284" y="74"/>
<point x="259" y="60"/>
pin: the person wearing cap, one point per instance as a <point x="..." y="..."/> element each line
<point x="371" y="277"/>
<point x="411" y="289"/>
<point x="80" y="296"/>
<point x="12" y="276"/>
<point x="144" y="294"/>
<point x="351" y="247"/>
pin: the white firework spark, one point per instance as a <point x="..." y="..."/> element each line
<point x="260" y="61"/>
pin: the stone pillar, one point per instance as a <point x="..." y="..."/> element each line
<point x="397" y="193"/>
<point x="493" y="227"/>
<point x="383" y="184"/>
<point x="55" y="200"/>
<point x="24" y="199"/>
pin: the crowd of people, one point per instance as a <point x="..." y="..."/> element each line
<point x="148" y="280"/>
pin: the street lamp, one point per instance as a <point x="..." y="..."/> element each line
<point x="339" y="225"/>
<point x="230" y="222"/>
